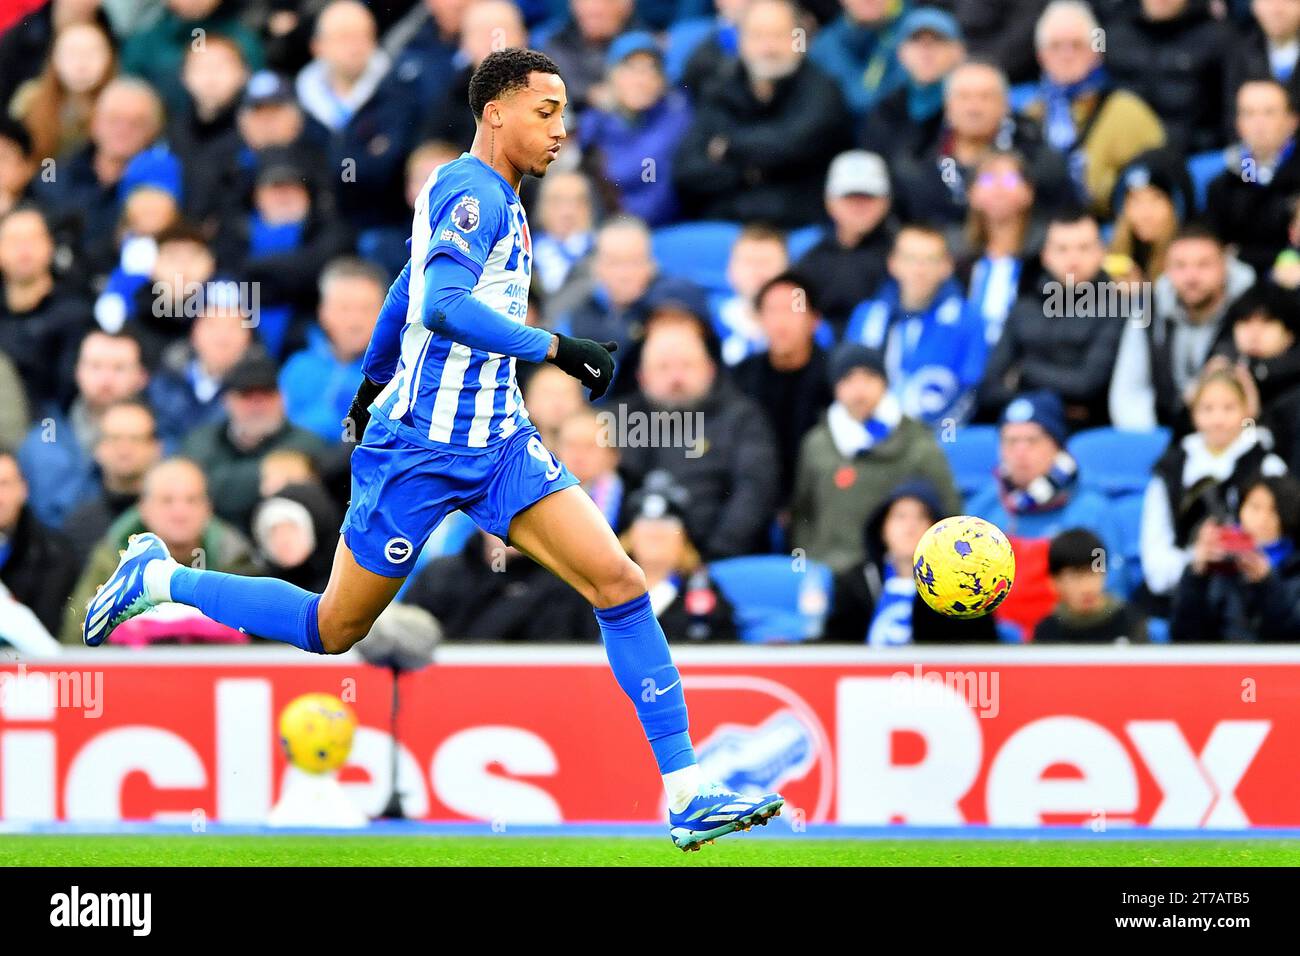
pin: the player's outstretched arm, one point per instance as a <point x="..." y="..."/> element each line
<point x="451" y="311"/>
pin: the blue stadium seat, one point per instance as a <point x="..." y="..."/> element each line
<point x="697" y="251"/>
<point x="972" y="457"/>
<point x="1202" y="168"/>
<point x="1128" y="515"/>
<point x="774" y="603"/>
<point x="680" y="42"/>
<point x="801" y="240"/>
<point x="1117" y="462"/>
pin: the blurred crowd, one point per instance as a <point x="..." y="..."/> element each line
<point x="837" y="243"/>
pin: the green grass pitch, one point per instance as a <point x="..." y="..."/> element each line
<point x="505" y="850"/>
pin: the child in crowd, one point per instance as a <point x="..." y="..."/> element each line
<point x="1085" y="613"/>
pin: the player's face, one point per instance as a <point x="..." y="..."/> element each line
<point x="533" y="123"/>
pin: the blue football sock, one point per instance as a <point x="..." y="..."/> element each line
<point x="638" y="654"/>
<point x="265" y="607"/>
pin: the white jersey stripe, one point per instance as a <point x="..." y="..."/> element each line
<point x="484" y="401"/>
<point x="442" y="422"/>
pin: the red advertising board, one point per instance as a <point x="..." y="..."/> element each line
<point x="1164" y="737"/>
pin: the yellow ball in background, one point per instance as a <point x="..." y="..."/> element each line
<point x="964" y="566"/>
<point x="316" y="732"/>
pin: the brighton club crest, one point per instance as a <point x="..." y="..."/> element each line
<point x="465" y="214"/>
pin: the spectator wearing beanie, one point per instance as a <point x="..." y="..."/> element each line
<point x="1152" y="199"/>
<point x="643" y="123"/>
<point x="1249" y="203"/>
<point x="1084" y="116"/>
<point x="764" y="130"/>
<point x="876" y="602"/>
<point x="850" y="462"/>
<point x="848" y="264"/>
<point x="1064" y="330"/>
<point x="1243" y="581"/>
<point x="1084" y="612"/>
<point x="908" y="121"/>
<point x="1036" y="495"/>
<point x="1264" y="329"/>
<point x="684" y="599"/>
<point x="1161" y="355"/>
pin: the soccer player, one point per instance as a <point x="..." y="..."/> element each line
<point x="447" y="430"/>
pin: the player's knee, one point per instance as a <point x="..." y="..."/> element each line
<point x="339" y="634"/>
<point x="624" y="581"/>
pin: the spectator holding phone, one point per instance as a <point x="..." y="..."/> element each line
<point x="1243" y="581"/>
<point x="1204" y="475"/>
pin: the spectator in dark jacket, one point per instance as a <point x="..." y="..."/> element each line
<point x="1064" y="330"/>
<point x="203" y="134"/>
<point x="633" y="143"/>
<point x="1001" y="32"/>
<point x="1248" y="205"/>
<point x="580" y="47"/>
<point x="1085" y="613"/>
<point x="37" y="564"/>
<point x="790" y="379"/>
<point x="725" y="456"/>
<point x="684" y="599"/>
<point x="977" y="120"/>
<point x="876" y="602"/>
<point x="907" y="122"/>
<point x="1268" y="47"/>
<point x="186" y="390"/>
<point x="859" y="50"/>
<point x="848" y="264"/>
<point x="230" y="451"/>
<point x="764" y="130"/>
<point x="126" y="447"/>
<point x="491" y="592"/>
<point x="57" y="455"/>
<point x="1170" y="53"/>
<point x="1243" y="583"/>
<point x="269" y="117"/>
<point x="41" y="323"/>
<point x="362" y="115"/>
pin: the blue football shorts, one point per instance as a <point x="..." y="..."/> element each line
<point x="401" y="491"/>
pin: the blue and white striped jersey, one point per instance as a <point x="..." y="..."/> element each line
<point x="445" y="395"/>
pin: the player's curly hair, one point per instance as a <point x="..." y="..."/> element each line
<point x="503" y="71"/>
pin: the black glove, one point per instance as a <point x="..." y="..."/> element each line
<point x="587" y="361"/>
<point x="359" y="414"/>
